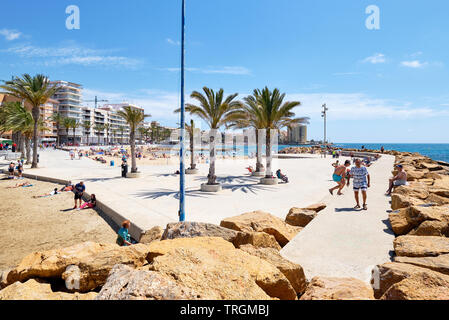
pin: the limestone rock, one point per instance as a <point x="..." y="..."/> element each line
<point x="417" y="246"/>
<point x="220" y="273"/>
<point x="424" y="286"/>
<point x="52" y="263"/>
<point x="125" y="283"/>
<point x="399" y="201"/>
<point x="300" y="217"/>
<point x="256" y="239"/>
<point x="292" y="271"/>
<point x="439" y="263"/>
<point x="328" y="288"/>
<point x="35" y="290"/>
<point x="197" y="229"/>
<point x="437" y="200"/>
<point x="209" y="243"/>
<point x="262" y="222"/>
<point x="406" y="219"/>
<point x="91" y="272"/>
<point x="431" y="228"/>
<point x="154" y="234"/>
<point x="317" y="207"/>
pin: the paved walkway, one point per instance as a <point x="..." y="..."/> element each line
<point x="342" y="242"/>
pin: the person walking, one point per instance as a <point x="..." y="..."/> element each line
<point x="361" y="182"/>
<point x="124" y="168"/>
<point x="339" y="177"/>
<point x="79" y="192"/>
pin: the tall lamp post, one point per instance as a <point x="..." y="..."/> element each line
<point x="324" y="115"/>
<point x="182" y="192"/>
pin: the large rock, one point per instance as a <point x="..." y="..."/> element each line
<point x="437" y="200"/>
<point x="125" y="283"/>
<point x="328" y="288"/>
<point x="262" y="222"/>
<point x="432" y="228"/>
<point x="35" y="290"/>
<point x="52" y="263"/>
<point x="399" y="201"/>
<point x="256" y="239"/>
<point x="197" y="229"/>
<point x="91" y="272"/>
<point x="406" y="219"/>
<point x="222" y="272"/>
<point x="416" y="190"/>
<point x="300" y="217"/>
<point x="439" y="263"/>
<point x="413" y="175"/>
<point x="417" y="246"/>
<point x="419" y="287"/>
<point x="209" y="243"/>
<point x="442" y="183"/>
<point x="316" y="207"/>
<point x="390" y="273"/>
<point x="154" y="234"/>
<point x="440" y="192"/>
<point x="292" y="271"/>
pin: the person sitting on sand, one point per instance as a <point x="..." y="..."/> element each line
<point x="92" y="203"/>
<point x="11" y="169"/>
<point x="399" y="180"/>
<point x="123" y="238"/>
<point x="67" y="188"/>
<point x="24" y="184"/>
<point x="339" y="177"/>
<point x="53" y="193"/>
<point x="20" y="169"/>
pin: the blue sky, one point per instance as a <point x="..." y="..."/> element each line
<point x="387" y="85"/>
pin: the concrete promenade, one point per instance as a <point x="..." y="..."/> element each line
<point x="342" y="242"/>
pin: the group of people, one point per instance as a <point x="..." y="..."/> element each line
<point x="362" y="179"/>
<point x="5" y="146"/>
<point x="13" y="167"/>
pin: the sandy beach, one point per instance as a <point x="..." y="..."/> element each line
<point x="30" y="225"/>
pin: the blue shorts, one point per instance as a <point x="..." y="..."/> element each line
<point x="336" y="177"/>
<point x="363" y="188"/>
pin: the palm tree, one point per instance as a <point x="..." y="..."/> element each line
<point x="142" y="131"/>
<point x="86" y="126"/>
<point x="36" y="91"/>
<point x="107" y="127"/>
<point x="57" y="118"/>
<point x="275" y="114"/>
<point x="114" y="132"/>
<point x="134" y="117"/>
<point x="191" y="131"/>
<point x="216" y="112"/>
<point x="74" y="124"/>
<point x="122" y="130"/>
<point x="19" y="119"/>
<point x="99" y="130"/>
<point x="67" y="124"/>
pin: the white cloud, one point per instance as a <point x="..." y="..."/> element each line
<point x="173" y="42"/>
<point x="414" y="64"/>
<point x="233" y="70"/>
<point x="71" y="54"/>
<point x="375" y="59"/>
<point x="10" y="34"/>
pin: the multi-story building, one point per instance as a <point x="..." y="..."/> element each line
<point x="297" y="134"/>
<point x="50" y="134"/>
<point x="69" y="98"/>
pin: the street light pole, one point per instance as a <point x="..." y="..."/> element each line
<point x="183" y="123"/>
<point x="324" y="115"/>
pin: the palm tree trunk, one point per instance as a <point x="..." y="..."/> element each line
<point x="36" y="114"/>
<point x="268" y="174"/>
<point x="211" y="179"/>
<point x="28" y="150"/>
<point x="73" y="136"/>
<point x="57" y="136"/>
<point x="192" y="155"/>
<point x="258" y="151"/>
<point x="21" y="145"/>
<point x="133" y="151"/>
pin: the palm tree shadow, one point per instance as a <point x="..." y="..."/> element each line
<point x="232" y="179"/>
<point x="246" y="187"/>
<point x="169" y="193"/>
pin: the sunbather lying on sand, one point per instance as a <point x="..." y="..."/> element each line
<point x="24" y="184"/>
<point x="54" y="192"/>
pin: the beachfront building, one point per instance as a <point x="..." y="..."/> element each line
<point x="69" y="99"/>
<point x="50" y="133"/>
<point x="297" y="134"/>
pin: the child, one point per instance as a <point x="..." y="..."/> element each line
<point x="123" y="238"/>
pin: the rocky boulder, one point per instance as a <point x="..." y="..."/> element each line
<point x="316" y="207"/>
<point x="262" y="222"/>
<point x="438" y="264"/>
<point x="221" y="272"/>
<point x="431" y="228"/>
<point x="416" y="190"/>
<point x="328" y="288"/>
<point x="52" y="263"/>
<point x="417" y="246"/>
<point x="256" y="239"/>
<point x="292" y="271"/>
<point x="423" y="286"/>
<point x="35" y="290"/>
<point x="399" y="201"/>
<point x="300" y="217"/>
<point x="197" y="229"/>
<point x="154" y="234"/>
<point x="125" y="283"/>
<point x="91" y="272"/>
<point x="437" y="200"/>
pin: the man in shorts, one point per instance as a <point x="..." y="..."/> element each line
<point x="79" y="191"/>
<point x="339" y="177"/>
<point x="361" y="182"/>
